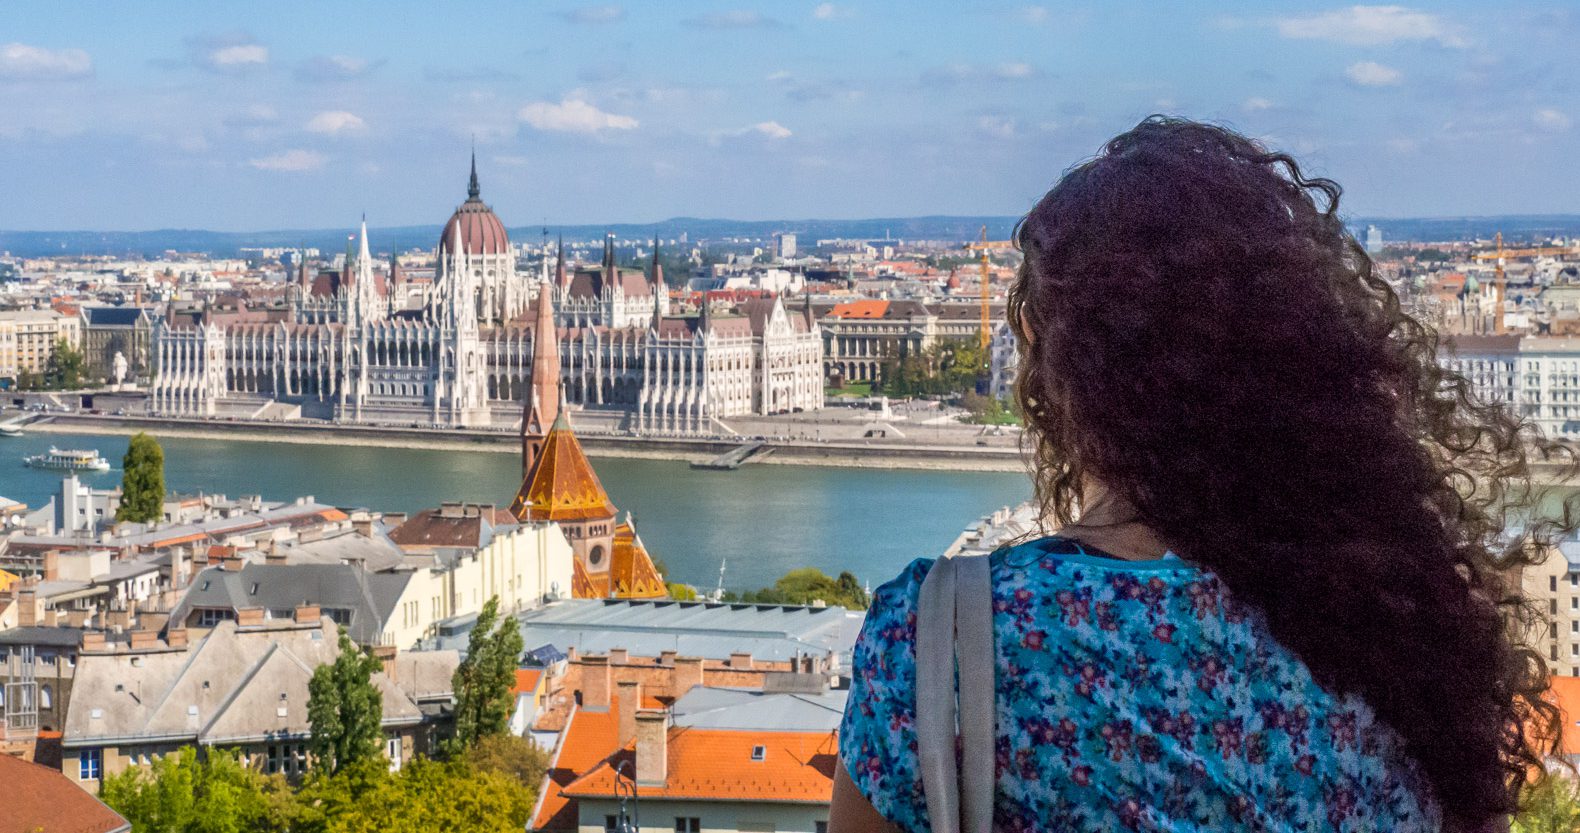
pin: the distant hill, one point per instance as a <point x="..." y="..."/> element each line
<point x="1515" y="227"/>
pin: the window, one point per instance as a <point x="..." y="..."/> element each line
<point x="821" y="827"/>
<point x="392" y="751"/>
<point x="208" y="617"/>
<point x="610" y="824"/>
<point x="90" y="765"/>
<point x="339" y="615"/>
<point x="759" y="753"/>
<point x="46" y="697"/>
<point x="287" y="758"/>
<point x="688" y="824"/>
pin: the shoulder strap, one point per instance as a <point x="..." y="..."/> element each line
<point x="954" y="633"/>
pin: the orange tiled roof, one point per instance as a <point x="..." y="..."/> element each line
<point x="631" y="571"/>
<point x="588" y="739"/>
<point x="562" y="485"/>
<point x="1565" y="693"/>
<point x="583" y="586"/>
<point x="865" y="308"/>
<point x="40" y="798"/>
<point x="526" y="680"/>
<point x="717" y="765"/>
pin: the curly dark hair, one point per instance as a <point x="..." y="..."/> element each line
<point x="1200" y="334"/>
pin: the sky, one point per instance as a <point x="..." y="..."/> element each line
<point x="276" y="115"/>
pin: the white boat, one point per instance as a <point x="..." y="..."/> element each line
<point x="68" y="459"/>
<point x="10" y="429"/>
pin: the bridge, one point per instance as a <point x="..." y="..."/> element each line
<point x="732" y="459"/>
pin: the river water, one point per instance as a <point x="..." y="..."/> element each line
<point x="760" y="520"/>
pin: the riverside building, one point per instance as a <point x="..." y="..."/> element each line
<point x="348" y="347"/>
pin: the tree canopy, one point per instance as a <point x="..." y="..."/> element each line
<point x="806" y="585"/>
<point x="198" y="792"/>
<point x="142" y="481"/>
<point x="947" y="367"/>
<point x="484" y="679"/>
<point x="345" y="709"/>
<point x="64" y="369"/>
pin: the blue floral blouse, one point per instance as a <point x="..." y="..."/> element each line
<point x="1133" y="696"/>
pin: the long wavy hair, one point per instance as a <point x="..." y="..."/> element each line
<point x="1199" y="333"/>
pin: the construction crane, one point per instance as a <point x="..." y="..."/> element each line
<point x="984" y="246"/>
<point x="1499" y="254"/>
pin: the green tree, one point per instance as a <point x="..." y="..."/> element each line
<point x="345" y="709"/>
<point x="1551" y="805"/>
<point x="212" y="791"/>
<point x="483" y="680"/>
<point x="424" y="796"/>
<point x="506" y="754"/>
<point x="63" y="371"/>
<point x="807" y="585"/>
<point x="142" y="481"/>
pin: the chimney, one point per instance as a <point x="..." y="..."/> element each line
<point x="122" y="618"/>
<point x="394" y="519"/>
<point x="92" y="641"/>
<point x="142" y="640"/>
<point x="176" y="637"/>
<point x="595" y="683"/>
<point x="741" y="660"/>
<point x="619" y="656"/>
<point x="629" y="693"/>
<point x="308" y="615"/>
<point x="385" y="654"/>
<point x="363" y="526"/>
<point x="687" y="675"/>
<point x="51" y="565"/>
<point x="77" y="618"/>
<point x="247" y="616"/>
<point x="27" y="608"/>
<point x="652" y="747"/>
<point x="667" y="658"/>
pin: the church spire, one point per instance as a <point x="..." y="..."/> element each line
<point x="560" y="279"/>
<point x="658" y="268"/>
<point x="473" y="192"/>
<point x="542" y="408"/>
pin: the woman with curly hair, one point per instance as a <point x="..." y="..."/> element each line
<point x="1283" y="593"/>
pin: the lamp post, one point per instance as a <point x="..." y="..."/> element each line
<point x="625" y="791"/>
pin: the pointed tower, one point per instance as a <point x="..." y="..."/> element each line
<point x="610" y="275"/>
<point x="542" y="406"/>
<point x="659" y="291"/>
<point x="560" y="278"/>
<point x="562" y="488"/>
<point x="473" y="191"/>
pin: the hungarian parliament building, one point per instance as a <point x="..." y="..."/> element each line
<point x="352" y="348"/>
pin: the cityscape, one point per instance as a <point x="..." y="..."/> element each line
<point x="564" y="516"/>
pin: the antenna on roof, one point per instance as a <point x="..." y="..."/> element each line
<point x="719" y="592"/>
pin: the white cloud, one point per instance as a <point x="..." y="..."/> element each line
<point x="573" y="116"/>
<point x="1372" y="26"/>
<point x="239" y="56"/>
<point x="965" y="73"/>
<point x="771" y="129"/>
<point x="290" y="160"/>
<point x="1256" y="103"/>
<point x="780" y="75"/>
<point x="1372" y="74"/>
<point x="21" y="61"/>
<point x="1035" y="15"/>
<point x="999" y="127"/>
<point x="594" y="15"/>
<point x="829" y="11"/>
<point x="1552" y="120"/>
<point x="512" y="161"/>
<point x="333" y="68"/>
<point x="336" y="122"/>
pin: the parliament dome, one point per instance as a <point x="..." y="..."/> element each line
<point x="479" y="229"/>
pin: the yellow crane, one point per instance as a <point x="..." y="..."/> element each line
<point x="984" y="246"/>
<point x="1499" y="253"/>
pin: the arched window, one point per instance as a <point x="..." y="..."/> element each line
<point x="46" y="698"/>
<point x="595" y="555"/>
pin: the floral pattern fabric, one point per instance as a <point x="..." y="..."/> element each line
<point x="1132" y="696"/>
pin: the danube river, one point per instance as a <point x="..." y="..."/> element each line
<point x="760" y="520"/>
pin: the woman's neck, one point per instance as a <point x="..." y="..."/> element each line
<point x="1110" y="523"/>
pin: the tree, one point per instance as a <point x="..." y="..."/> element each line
<point x="212" y="791"/>
<point x="509" y="755"/>
<point x="345" y="709"/>
<point x="807" y="585"/>
<point x="1551" y="805"/>
<point x="483" y="680"/>
<point x="142" y="481"/>
<point x="424" y="796"/>
<point x="63" y="371"/>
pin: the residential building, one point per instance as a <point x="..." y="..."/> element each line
<point x="242" y="685"/>
<point x="28" y="339"/>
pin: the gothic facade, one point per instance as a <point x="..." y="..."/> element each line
<point x="349" y="349"/>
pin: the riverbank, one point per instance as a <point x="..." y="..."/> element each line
<point x="843" y="454"/>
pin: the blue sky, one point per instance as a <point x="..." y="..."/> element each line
<point x="236" y="116"/>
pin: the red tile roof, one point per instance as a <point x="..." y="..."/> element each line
<point x="860" y="309"/>
<point x="40" y="798"/>
<point x="588" y="739"/>
<point x="526" y="680"/>
<point x="718" y="765"/>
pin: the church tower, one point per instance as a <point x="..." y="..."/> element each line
<point x="542" y="406"/>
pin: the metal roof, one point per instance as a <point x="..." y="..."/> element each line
<point x="729" y="708"/>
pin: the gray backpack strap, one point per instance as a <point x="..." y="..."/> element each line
<point x="954" y="630"/>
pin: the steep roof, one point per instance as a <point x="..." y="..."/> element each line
<point x="631" y="571"/>
<point x="562" y="485"/>
<point x="369" y="597"/>
<point x="235" y="684"/>
<point x="41" y="798"/>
